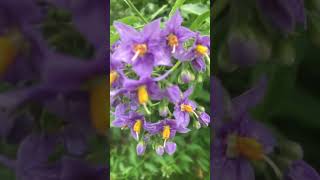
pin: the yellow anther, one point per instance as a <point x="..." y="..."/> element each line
<point x="201" y="50"/>
<point x="172" y="40"/>
<point x="113" y="77"/>
<point x="99" y="102"/>
<point x="140" y="49"/>
<point x="143" y="95"/>
<point x="166" y="132"/>
<point x="8" y="52"/>
<point x="137" y="126"/>
<point x="186" y="108"/>
<point x="249" y="148"/>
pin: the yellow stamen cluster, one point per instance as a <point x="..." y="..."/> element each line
<point x="113" y="77"/>
<point x="8" y="51"/>
<point x="166" y="132"/>
<point x="201" y="50"/>
<point x="140" y="49"/>
<point x="172" y="40"/>
<point x="249" y="148"/>
<point x="137" y="126"/>
<point x="143" y="95"/>
<point x="186" y="108"/>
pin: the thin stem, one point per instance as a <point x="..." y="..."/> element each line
<point x="273" y="166"/>
<point x="169" y="71"/>
<point x="146" y="108"/>
<point x="133" y="7"/>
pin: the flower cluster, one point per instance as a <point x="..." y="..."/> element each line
<point x="141" y="96"/>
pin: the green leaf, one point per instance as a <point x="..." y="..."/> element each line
<point x="196" y="9"/>
<point x="199" y="20"/>
<point x="129" y="20"/>
<point x="154" y="15"/>
<point x="150" y="167"/>
<point x="176" y="5"/>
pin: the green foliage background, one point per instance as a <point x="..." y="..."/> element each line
<point x="192" y="158"/>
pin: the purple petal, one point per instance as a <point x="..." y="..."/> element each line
<point x="182" y="118"/>
<point x="174" y="21"/>
<point x="140" y="148"/>
<point x="160" y="150"/>
<point x="170" y="147"/>
<point x="152" y="30"/>
<point x="299" y="170"/>
<point x="250" y="98"/>
<point x="126" y="32"/>
<point x="144" y="66"/>
<point x="174" y="93"/>
<point x="198" y="64"/>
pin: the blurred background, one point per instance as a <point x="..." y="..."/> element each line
<point x="252" y="38"/>
<point x="192" y="158"/>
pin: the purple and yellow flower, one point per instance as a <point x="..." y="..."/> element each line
<point x="145" y="88"/>
<point x="242" y="139"/>
<point x="132" y="120"/>
<point x="183" y="106"/>
<point x="199" y="51"/>
<point x="167" y="128"/>
<point x="174" y="35"/>
<point x="141" y="49"/>
<point x="141" y="148"/>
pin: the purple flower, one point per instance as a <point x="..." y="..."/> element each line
<point x="204" y="119"/>
<point x="183" y="106"/>
<point x="300" y="170"/>
<point x="284" y="15"/>
<point x="160" y="150"/>
<point x="242" y="139"/>
<point x="199" y="50"/>
<point x="116" y="74"/>
<point x="174" y="35"/>
<point x="145" y="88"/>
<point x="141" y="148"/>
<point x="167" y="128"/>
<point x="171" y="147"/>
<point x="141" y="49"/>
<point x="129" y="119"/>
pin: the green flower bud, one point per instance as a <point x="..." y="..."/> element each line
<point x="291" y="150"/>
<point x="186" y="76"/>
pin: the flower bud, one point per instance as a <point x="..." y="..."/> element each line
<point x="197" y="124"/>
<point x="160" y="150"/>
<point x="201" y="109"/>
<point x="199" y="78"/>
<point x="204" y="119"/>
<point x="163" y="111"/>
<point x="291" y="150"/>
<point x="286" y="53"/>
<point x="141" y="148"/>
<point x="186" y="76"/>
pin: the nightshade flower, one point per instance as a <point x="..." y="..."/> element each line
<point x="167" y="129"/>
<point x="116" y="76"/>
<point x="146" y="88"/>
<point x="141" y="148"/>
<point x="132" y="120"/>
<point x="174" y="35"/>
<point x="183" y="106"/>
<point x="199" y="51"/>
<point x="160" y="150"/>
<point x="284" y="15"/>
<point x="141" y="49"/>
<point x="242" y="140"/>
<point x="300" y="170"/>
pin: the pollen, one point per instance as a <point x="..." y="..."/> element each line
<point x="201" y="50"/>
<point x="249" y="148"/>
<point x="172" y="40"/>
<point x="113" y="77"/>
<point x="8" y="51"/>
<point x="166" y="132"/>
<point x="186" y="108"/>
<point x="140" y="49"/>
<point x="137" y="126"/>
<point x="143" y="95"/>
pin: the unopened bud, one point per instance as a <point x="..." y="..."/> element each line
<point x="186" y="76"/>
<point x="291" y="150"/>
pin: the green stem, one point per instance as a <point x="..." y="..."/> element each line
<point x="169" y="71"/>
<point x="146" y="108"/>
<point x="273" y="166"/>
<point x="133" y="7"/>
